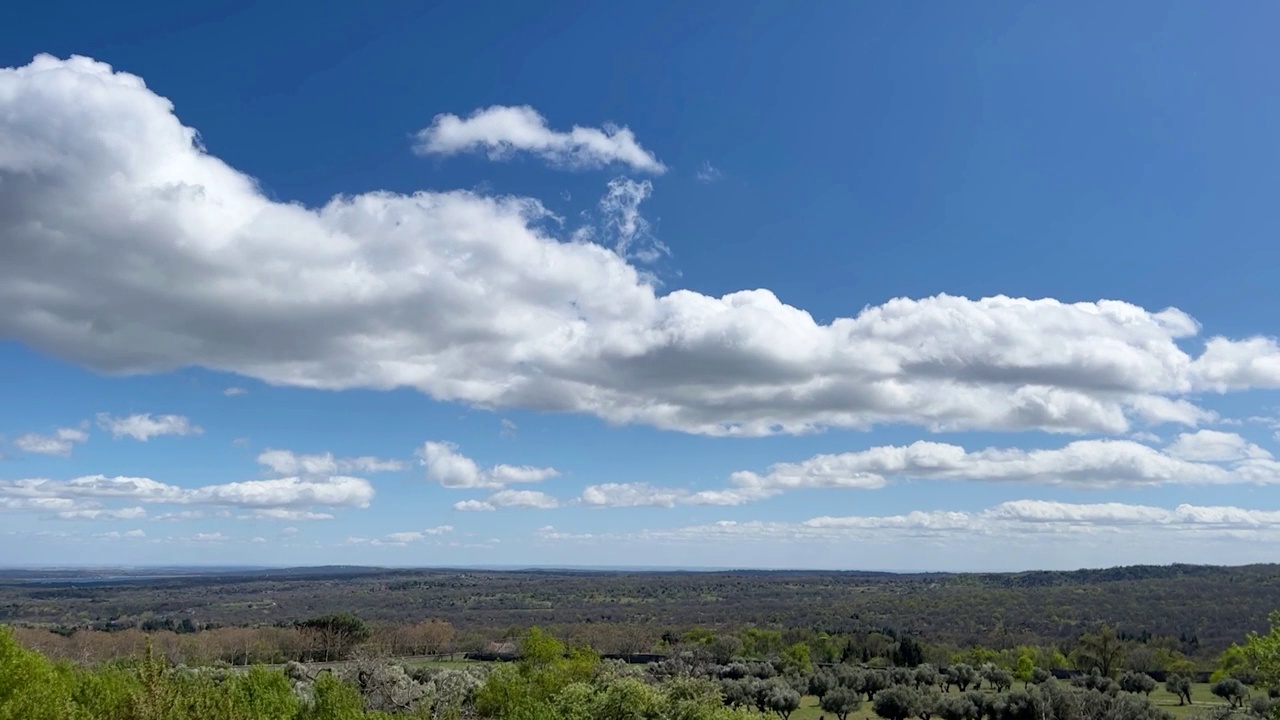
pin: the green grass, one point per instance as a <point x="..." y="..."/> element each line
<point x="1200" y="696"/>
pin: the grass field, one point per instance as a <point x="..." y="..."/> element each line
<point x="1200" y="696"/>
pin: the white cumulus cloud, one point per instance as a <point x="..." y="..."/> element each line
<point x="470" y="298"/>
<point x="445" y="465"/>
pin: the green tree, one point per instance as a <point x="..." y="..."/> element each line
<point x="1263" y="653"/>
<point x="1025" y="669"/>
<point x="539" y="649"/>
<point x="796" y="659"/>
<point x="1102" y="650"/>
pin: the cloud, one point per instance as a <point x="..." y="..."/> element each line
<point x="615" y="495"/>
<point x="707" y="173"/>
<point x="235" y="391"/>
<point x="452" y="469"/>
<point x="401" y="539"/>
<point x="213" y="537"/>
<point x="1214" y="446"/>
<point x="625" y="226"/>
<point x="1008" y="520"/>
<point x="289" y="532"/>
<point x="286" y="462"/>
<point x="1205" y="457"/>
<point x="127" y="535"/>
<point x="508" y="428"/>
<point x="1191" y="460"/>
<point x="97" y="513"/>
<point x="630" y="495"/>
<point x="180" y="516"/>
<point x="258" y="540"/>
<point x="416" y="535"/>
<point x="504" y="131"/>
<point x="509" y="499"/>
<point x="285" y="514"/>
<point x="59" y="443"/>
<point x="522" y="499"/>
<point x="144" y="427"/>
<point x="470" y="298"/>
<point x="288" y="498"/>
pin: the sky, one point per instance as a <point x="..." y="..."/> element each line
<point x="904" y="286"/>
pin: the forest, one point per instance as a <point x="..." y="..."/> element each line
<point x="1203" y="608"/>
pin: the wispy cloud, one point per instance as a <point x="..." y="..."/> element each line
<point x="60" y="442"/>
<point x="504" y="131"/>
<point x="144" y="426"/>
<point x="707" y="173"/>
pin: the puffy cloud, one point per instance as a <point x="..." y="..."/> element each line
<point x="335" y="491"/>
<point x="473" y="506"/>
<point x="445" y="465"/>
<point x="144" y="427"/>
<point x="1205" y="457"/>
<point x="468" y="298"/>
<point x="503" y="131"/>
<point x="59" y="443"/>
<point x="235" y="391"/>
<point x="1189" y="460"/>
<point x="286" y="462"/>
<point x="522" y="499"/>
<point x="1214" y="446"/>
<point x="630" y="495"/>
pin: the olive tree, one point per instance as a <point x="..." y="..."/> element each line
<point x="1231" y="690"/>
<point x="1137" y="682"/>
<point x="962" y="676"/>
<point x="783" y="700"/>
<point x="840" y="701"/>
<point x="898" y="702"/>
<point x="1179" y="686"/>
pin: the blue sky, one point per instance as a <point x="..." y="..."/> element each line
<point x="847" y="285"/>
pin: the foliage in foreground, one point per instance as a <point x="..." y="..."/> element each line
<point x="552" y="682"/>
